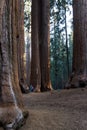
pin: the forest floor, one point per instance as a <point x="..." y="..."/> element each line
<point x="57" y="110"/>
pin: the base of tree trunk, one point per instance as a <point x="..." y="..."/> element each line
<point x="37" y="89"/>
<point x="12" y="118"/>
<point x="77" y="81"/>
<point x="45" y="89"/>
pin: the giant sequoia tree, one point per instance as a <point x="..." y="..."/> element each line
<point x="44" y="37"/>
<point x="40" y="65"/>
<point x="10" y="94"/>
<point x="35" y="61"/>
<point x="79" y="76"/>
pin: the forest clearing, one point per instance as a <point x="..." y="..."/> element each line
<point x="57" y="110"/>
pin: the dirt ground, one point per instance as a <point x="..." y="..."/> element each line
<point x="57" y="110"/>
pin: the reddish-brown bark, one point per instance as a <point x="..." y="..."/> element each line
<point x="35" y="60"/>
<point x="45" y="45"/>
<point x="40" y="38"/>
<point x="79" y="75"/>
<point x="10" y="93"/>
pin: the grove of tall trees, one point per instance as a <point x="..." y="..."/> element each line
<point x="61" y="39"/>
<point x="58" y="56"/>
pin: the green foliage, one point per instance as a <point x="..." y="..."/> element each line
<point x="61" y="39"/>
<point x="61" y="42"/>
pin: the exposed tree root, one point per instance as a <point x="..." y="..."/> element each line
<point x="77" y="81"/>
<point x="12" y="118"/>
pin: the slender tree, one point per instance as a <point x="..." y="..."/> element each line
<point x="28" y="60"/>
<point x="60" y="50"/>
<point x="27" y="24"/>
<point x="66" y="33"/>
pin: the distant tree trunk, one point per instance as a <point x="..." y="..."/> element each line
<point x="10" y="94"/>
<point x="21" y="45"/>
<point x="35" y="78"/>
<point x="40" y="62"/>
<point x="28" y="60"/>
<point x="67" y="51"/>
<point x="44" y="31"/>
<point x="79" y="76"/>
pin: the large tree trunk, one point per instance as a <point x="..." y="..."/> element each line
<point x="44" y="36"/>
<point x="79" y="75"/>
<point x="40" y="62"/>
<point x="10" y="94"/>
<point x="21" y="46"/>
<point x="35" y="78"/>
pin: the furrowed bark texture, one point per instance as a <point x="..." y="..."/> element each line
<point x="21" y="46"/>
<point x="79" y="75"/>
<point x="45" y="45"/>
<point x="40" y="35"/>
<point x="35" y="61"/>
<point x="10" y="93"/>
<point x="20" y="37"/>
